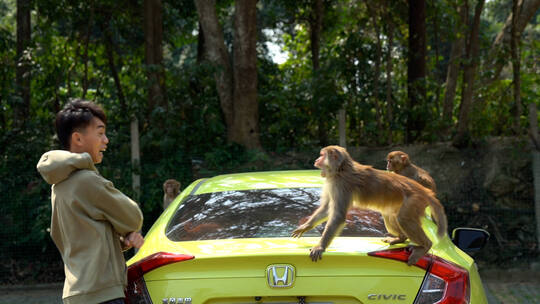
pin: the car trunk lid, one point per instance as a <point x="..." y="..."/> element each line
<point x="280" y="271"/>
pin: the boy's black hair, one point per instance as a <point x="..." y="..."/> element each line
<point x="76" y="115"/>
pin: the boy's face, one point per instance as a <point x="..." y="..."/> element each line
<point x="91" y="139"/>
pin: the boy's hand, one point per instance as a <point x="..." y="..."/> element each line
<point x="134" y="239"/>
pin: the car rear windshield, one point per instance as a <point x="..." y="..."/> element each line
<point x="259" y="213"/>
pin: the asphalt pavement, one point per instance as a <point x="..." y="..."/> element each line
<point x="31" y="294"/>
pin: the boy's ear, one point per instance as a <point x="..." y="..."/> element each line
<point x="76" y="139"/>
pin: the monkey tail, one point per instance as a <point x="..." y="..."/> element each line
<point x="439" y="215"/>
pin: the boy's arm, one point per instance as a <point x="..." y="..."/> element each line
<point x="103" y="201"/>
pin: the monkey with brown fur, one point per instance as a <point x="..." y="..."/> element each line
<point x="171" y="189"/>
<point x="400" y="163"/>
<point x="401" y="201"/>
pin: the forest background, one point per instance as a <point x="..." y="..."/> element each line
<point x="198" y="88"/>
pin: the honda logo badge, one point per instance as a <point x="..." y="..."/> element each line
<point x="280" y="276"/>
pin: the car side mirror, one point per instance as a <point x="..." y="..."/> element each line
<point x="470" y="240"/>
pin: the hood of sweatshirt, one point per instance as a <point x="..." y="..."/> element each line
<point x="57" y="165"/>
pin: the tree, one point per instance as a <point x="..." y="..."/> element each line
<point x="216" y="52"/>
<point x="23" y="57"/>
<point x="389" y="70"/>
<point x="515" y="54"/>
<point x="374" y="11"/>
<point x="416" y="69"/>
<point x="134" y="122"/>
<point x="496" y="59"/>
<point x="315" y="27"/>
<point x="236" y="84"/>
<point x="246" y="110"/>
<point x="153" y="38"/>
<point x="454" y="66"/>
<point x="469" y="74"/>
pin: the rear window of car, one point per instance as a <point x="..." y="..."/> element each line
<point x="262" y="213"/>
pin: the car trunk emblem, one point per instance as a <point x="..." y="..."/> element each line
<point x="280" y="276"/>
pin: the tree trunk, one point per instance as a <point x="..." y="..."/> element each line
<point x="112" y="66"/>
<point x="416" y="69"/>
<point x="515" y="53"/>
<point x="245" y="129"/>
<point x="200" y="45"/>
<point x="452" y="72"/>
<point x="236" y="86"/>
<point x="217" y="54"/>
<point x="389" y="68"/>
<point x="377" y="71"/>
<point x="315" y="27"/>
<point x="22" y="109"/>
<point x="90" y="21"/>
<point x="499" y="50"/>
<point x="153" y="38"/>
<point x="469" y="72"/>
<point x="315" y="32"/>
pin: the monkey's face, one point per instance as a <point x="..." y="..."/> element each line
<point x="330" y="159"/>
<point x="396" y="161"/>
<point x="171" y="187"/>
<point x="391" y="163"/>
<point x="319" y="162"/>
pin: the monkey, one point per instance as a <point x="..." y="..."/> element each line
<point x="400" y="200"/>
<point x="171" y="189"/>
<point x="194" y="232"/>
<point x="400" y="163"/>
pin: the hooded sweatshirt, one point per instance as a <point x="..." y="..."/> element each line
<point x="89" y="215"/>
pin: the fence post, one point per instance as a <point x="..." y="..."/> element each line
<point x="135" y="159"/>
<point x="536" y="178"/>
<point x="342" y="128"/>
<point x="533" y="133"/>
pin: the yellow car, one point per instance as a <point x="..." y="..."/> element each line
<point x="227" y="239"/>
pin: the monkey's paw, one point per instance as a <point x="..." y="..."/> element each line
<point x="416" y="255"/>
<point x="316" y="253"/>
<point x="393" y="240"/>
<point x="299" y="231"/>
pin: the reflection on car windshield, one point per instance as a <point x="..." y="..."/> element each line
<point x="262" y="213"/>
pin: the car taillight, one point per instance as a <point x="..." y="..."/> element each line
<point x="136" y="292"/>
<point x="444" y="283"/>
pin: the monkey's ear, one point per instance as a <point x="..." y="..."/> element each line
<point x="405" y="159"/>
<point x="338" y="158"/>
<point x="334" y="155"/>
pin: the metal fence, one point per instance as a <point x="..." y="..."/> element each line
<point x="29" y="255"/>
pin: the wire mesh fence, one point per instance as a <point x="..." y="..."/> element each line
<point x="29" y="255"/>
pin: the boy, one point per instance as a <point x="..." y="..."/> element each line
<point x="91" y="220"/>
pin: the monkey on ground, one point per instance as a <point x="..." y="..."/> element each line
<point x="400" y="163"/>
<point x="171" y="189"/>
<point x="401" y="201"/>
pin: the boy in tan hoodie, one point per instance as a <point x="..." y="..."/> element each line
<point x="92" y="222"/>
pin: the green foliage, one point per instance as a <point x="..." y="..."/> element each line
<point x="77" y="44"/>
